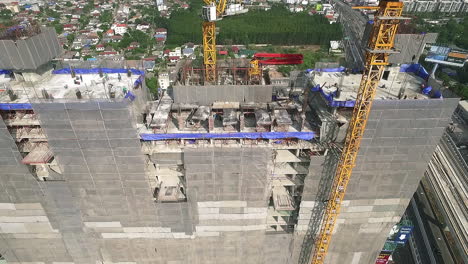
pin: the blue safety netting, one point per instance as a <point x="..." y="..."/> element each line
<point x="5" y="72"/>
<point x="254" y="135"/>
<point x="97" y="71"/>
<point x="415" y="68"/>
<point x="15" y="106"/>
<point x="330" y="98"/>
<point x="339" y="69"/>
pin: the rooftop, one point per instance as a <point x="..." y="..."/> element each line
<point x="63" y="86"/>
<point x="389" y="88"/>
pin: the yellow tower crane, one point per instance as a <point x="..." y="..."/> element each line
<point x="380" y="45"/>
<point x="212" y="12"/>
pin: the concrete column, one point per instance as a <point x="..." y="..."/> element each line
<point x="241" y="122"/>
<point x="210" y="123"/>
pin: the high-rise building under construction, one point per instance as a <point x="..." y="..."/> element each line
<point x="92" y="171"/>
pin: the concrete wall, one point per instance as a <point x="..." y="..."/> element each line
<point x="208" y="94"/>
<point x="411" y="47"/>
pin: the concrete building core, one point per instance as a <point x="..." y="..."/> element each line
<point x="206" y="174"/>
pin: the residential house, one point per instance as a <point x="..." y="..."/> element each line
<point x="134" y="44"/>
<point x="77" y="45"/>
<point x="174" y="58"/>
<point x="160" y="31"/>
<point x="93" y="39"/>
<point x="126" y="9"/>
<point x="143" y="26"/>
<point x="100" y="47"/>
<point x="82" y="38"/>
<point x="69" y="27"/>
<point x="187" y="52"/>
<point x="108" y="53"/>
<point x="119" y="29"/>
<point x="149" y="63"/>
<point x="177" y="52"/>
<point x="86" y="51"/>
<point x="116" y="38"/>
<point x="109" y="33"/>
<point x="13" y="7"/>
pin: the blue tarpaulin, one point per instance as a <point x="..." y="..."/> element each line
<point x="330" y="98"/>
<point x="138" y="81"/>
<point x="427" y="90"/>
<point x="437" y="94"/>
<point x="130" y="96"/>
<point x="5" y="72"/>
<point x="15" y="106"/>
<point x="339" y="69"/>
<point x="254" y="135"/>
<point x="415" y="68"/>
<point x="97" y="70"/>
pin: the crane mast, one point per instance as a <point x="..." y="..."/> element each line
<point x="212" y="12"/>
<point x="380" y="46"/>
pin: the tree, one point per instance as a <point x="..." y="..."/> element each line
<point x="285" y="70"/>
<point x="5" y="14"/>
<point x="69" y="4"/>
<point x="84" y="20"/>
<point x="70" y="38"/>
<point x="106" y="17"/>
<point x="152" y="84"/>
<point x="58" y="28"/>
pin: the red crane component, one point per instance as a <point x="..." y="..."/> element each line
<point x="273" y="59"/>
<point x="278" y="58"/>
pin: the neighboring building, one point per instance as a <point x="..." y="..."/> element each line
<point x="444" y="6"/>
<point x="163" y="80"/>
<point x="442" y="215"/>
